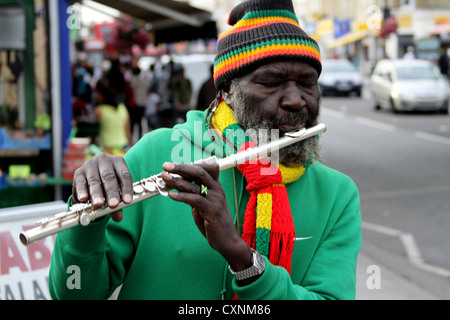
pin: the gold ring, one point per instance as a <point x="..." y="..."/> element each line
<point x="204" y="190"/>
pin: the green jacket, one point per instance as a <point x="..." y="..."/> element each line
<point x="157" y="252"/>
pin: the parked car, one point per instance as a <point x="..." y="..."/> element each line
<point x="339" y="77"/>
<point x="409" y="85"/>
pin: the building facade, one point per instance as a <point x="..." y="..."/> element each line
<point x="368" y="30"/>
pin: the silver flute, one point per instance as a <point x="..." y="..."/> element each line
<point x="84" y="213"/>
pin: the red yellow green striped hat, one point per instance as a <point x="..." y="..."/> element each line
<point x="262" y="31"/>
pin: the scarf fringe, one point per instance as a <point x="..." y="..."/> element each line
<point x="281" y="255"/>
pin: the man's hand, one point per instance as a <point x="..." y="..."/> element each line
<point x="103" y="178"/>
<point x="210" y="211"/>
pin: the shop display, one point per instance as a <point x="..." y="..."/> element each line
<point x="24" y="139"/>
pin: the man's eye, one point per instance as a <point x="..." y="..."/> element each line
<point x="307" y="84"/>
<point x="269" y="84"/>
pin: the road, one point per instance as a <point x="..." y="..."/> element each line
<point x="401" y="164"/>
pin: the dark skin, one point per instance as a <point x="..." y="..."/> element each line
<point x="279" y="91"/>
<point x="276" y="92"/>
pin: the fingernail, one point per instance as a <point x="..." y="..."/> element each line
<point x="168" y="166"/>
<point x="82" y="196"/>
<point x="98" y="202"/>
<point x="127" y="198"/>
<point x="113" y="202"/>
<point x="173" y="194"/>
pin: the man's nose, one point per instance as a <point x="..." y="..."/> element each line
<point x="293" y="97"/>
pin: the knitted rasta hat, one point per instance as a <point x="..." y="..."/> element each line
<point x="262" y="31"/>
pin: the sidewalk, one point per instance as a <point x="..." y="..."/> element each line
<point x="393" y="286"/>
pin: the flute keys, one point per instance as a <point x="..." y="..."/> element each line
<point x="150" y="186"/>
<point x="160" y="184"/>
<point x="138" y="189"/>
<point x="43" y="222"/>
<point x="85" y="219"/>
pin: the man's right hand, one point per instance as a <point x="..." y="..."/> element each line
<point x="103" y="178"/>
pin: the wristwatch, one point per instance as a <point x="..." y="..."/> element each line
<point x="256" y="269"/>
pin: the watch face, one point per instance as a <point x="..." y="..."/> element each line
<point x="260" y="263"/>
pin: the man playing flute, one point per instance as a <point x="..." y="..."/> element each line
<point x="290" y="230"/>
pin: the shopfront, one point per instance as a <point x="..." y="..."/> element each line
<point x="27" y="108"/>
<point x="36" y="124"/>
<point x="36" y="57"/>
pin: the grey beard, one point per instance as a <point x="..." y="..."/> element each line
<point x="263" y="130"/>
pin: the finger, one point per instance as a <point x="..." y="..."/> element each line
<point x="79" y="187"/>
<point x="92" y="182"/>
<point x="192" y="199"/>
<point x="211" y="167"/>
<point x="95" y="187"/>
<point x="180" y="184"/>
<point x="125" y="179"/>
<point x="110" y="183"/>
<point x="117" y="216"/>
<point x="191" y="172"/>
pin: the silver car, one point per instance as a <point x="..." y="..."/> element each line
<point x="409" y="85"/>
<point x="339" y="77"/>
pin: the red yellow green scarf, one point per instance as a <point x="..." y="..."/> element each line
<point x="268" y="224"/>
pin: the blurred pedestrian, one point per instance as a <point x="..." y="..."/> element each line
<point x="81" y="81"/>
<point x="140" y="84"/>
<point x="82" y="102"/>
<point x="182" y="96"/>
<point x="409" y="55"/>
<point x="152" y="107"/>
<point x="113" y="117"/>
<point x="207" y="92"/>
<point x="166" y="91"/>
<point x="79" y="109"/>
<point x="444" y="63"/>
<point x="115" y="81"/>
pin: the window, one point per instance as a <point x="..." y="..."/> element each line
<point x="417" y="73"/>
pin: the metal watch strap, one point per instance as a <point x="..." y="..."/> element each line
<point x="256" y="269"/>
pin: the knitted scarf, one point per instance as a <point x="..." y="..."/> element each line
<point x="268" y="224"/>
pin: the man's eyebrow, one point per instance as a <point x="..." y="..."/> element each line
<point x="309" y="74"/>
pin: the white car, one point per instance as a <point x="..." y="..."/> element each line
<point x="339" y="77"/>
<point x="409" y="85"/>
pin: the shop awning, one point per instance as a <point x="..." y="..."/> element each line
<point x="347" y="39"/>
<point x="440" y="29"/>
<point x="170" y="20"/>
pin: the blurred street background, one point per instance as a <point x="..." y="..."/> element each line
<point x="385" y="101"/>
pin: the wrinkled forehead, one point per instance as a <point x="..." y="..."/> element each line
<point x="286" y="69"/>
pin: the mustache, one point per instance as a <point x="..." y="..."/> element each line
<point x="308" y="119"/>
<point x="293" y="119"/>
